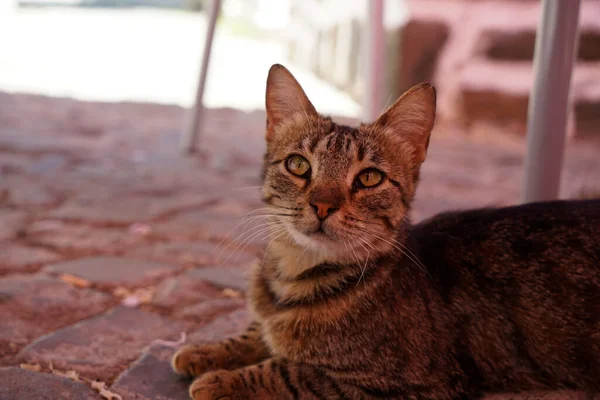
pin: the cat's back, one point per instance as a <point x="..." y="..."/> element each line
<point x="522" y="285"/>
<point x="558" y="229"/>
<point x="547" y="250"/>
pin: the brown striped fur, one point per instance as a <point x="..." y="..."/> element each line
<point x="363" y="305"/>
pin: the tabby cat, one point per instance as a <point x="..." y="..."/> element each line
<point x="352" y="301"/>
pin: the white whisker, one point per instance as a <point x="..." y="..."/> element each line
<point x="404" y="250"/>
<point x="283" y="231"/>
<point x="364" y="268"/>
<point x="270" y="229"/>
<point x="249" y="238"/>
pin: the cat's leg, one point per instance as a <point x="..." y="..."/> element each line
<point x="280" y="379"/>
<point x="273" y="379"/>
<point x="236" y="352"/>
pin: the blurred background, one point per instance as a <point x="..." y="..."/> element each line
<point x="150" y="51"/>
<point x="478" y="53"/>
<point x="103" y="215"/>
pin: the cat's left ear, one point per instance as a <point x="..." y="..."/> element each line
<point x="411" y="118"/>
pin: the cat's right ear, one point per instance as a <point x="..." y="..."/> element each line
<point x="285" y="99"/>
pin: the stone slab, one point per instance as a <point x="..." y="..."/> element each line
<point x="151" y="377"/>
<point x="193" y="252"/>
<point x="226" y="277"/>
<point x="183" y="252"/>
<point x="30" y="194"/>
<point x="15" y="257"/>
<point x="33" y="305"/>
<point x="14" y="163"/>
<point x="198" y="285"/>
<point x="223" y="221"/>
<point x="13" y="221"/>
<point x="81" y="238"/>
<point x="113" y="271"/>
<point x="122" y="208"/>
<point x="103" y="346"/>
<point x="179" y="291"/>
<point x="20" y="384"/>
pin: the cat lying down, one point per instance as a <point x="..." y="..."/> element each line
<point x="352" y="301"/>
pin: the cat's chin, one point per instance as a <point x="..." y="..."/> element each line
<point x="318" y="242"/>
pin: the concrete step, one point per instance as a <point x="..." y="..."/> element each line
<point x="508" y="33"/>
<point x="498" y="92"/>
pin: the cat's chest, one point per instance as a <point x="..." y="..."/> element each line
<point x="301" y="341"/>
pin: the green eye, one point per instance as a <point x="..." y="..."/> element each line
<point x="370" y="178"/>
<point x="297" y="165"/>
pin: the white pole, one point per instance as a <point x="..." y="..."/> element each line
<point x="374" y="58"/>
<point x="555" y="52"/>
<point x="189" y="140"/>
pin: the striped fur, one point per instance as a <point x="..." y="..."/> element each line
<point x="363" y="305"/>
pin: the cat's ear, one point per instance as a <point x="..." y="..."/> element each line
<point x="285" y="99"/>
<point x="411" y="118"/>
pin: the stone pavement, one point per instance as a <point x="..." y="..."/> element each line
<point x="114" y="249"/>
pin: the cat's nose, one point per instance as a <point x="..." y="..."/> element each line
<point x="325" y="200"/>
<point x="323" y="209"/>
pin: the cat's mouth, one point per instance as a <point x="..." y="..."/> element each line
<point x="321" y="231"/>
<point x="319" y="237"/>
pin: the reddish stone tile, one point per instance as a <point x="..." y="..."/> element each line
<point x="226" y="277"/>
<point x="179" y="291"/>
<point x="81" y="238"/>
<point x="113" y="271"/>
<point x="32" y="305"/>
<point x="102" y="347"/>
<point x="30" y="194"/>
<point x="14" y="163"/>
<point x="197" y="252"/>
<point x="13" y="222"/>
<point x="226" y="220"/>
<point x="19" y="258"/>
<point x="151" y="377"/>
<point x="120" y="208"/>
<point x="20" y="384"/>
<point x="176" y="251"/>
<point x="197" y="285"/>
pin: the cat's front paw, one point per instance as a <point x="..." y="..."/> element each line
<point x="215" y="385"/>
<point x="193" y="360"/>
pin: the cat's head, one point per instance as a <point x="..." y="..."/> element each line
<point x="336" y="188"/>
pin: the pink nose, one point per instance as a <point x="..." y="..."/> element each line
<point x="323" y="209"/>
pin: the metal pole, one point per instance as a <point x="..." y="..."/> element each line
<point x="374" y="57"/>
<point x="192" y="131"/>
<point x="555" y="51"/>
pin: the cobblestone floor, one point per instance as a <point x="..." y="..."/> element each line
<point x="113" y="245"/>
